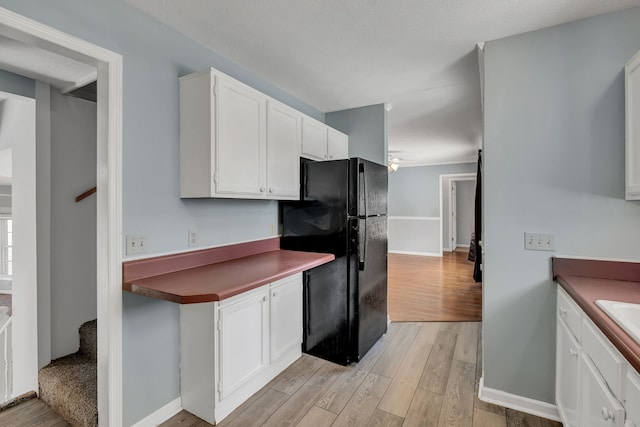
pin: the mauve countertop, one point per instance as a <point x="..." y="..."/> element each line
<point x="216" y="274"/>
<point x="587" y="290"/>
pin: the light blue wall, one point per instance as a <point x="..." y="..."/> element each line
<point x="367" y="130"/>
<point x="414" y="191"/>
<point x="17" y="85"/>
<point x="554" y="162"/>
<point x="154" y="57"/>
<point x="465" y="210"/>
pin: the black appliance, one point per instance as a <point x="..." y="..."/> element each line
<point x="342" y="211"/>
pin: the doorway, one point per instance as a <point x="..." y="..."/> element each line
<point x="109" y="215"/>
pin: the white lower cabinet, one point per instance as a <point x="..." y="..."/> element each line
<point x="567" y="375"/>
<point x="590" y="373"/>
<point x="600" y="408"/>
<point x="232" y="348"/>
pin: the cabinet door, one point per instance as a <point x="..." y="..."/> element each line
<point x="286" y="315"/>
<point x="244" y="341"/>
<point x="632" y="108"/>
<point x="598" y="406"/>
<point x="337" y="145"/>
<point x="567" y="375"/>
<point x="283" y="151"/>
<point x="314" y="139"/>
<point x="240" y="142"/>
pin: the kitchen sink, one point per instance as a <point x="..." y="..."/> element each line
<point x="625" y="314"/>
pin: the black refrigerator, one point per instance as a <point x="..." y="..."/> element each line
<point x="342" y="211"/>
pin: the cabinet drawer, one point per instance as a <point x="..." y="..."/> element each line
<point x="569" y="312"/>
<point x="632" y="398"/>
<point x="609" y="362"/>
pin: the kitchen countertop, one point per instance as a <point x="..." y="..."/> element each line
<point x="216" y="274"/>
<point x="588" y="281"/>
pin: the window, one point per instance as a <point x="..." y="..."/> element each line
<point x="6" y="247"/>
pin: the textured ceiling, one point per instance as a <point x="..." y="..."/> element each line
<point x="61" y="72"/>
<point x="419" y="55"/>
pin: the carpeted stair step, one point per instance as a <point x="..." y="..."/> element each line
<point x="69" y="384"/>
<point x="89" y="339"/>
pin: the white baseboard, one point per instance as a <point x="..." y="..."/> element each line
<point x="461" y="246"/>
<point x="519" y="403"/>
<point x="416" y="253"/>
<point x="161" y="415"/>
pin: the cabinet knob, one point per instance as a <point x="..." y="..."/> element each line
<point x="562" y="311"/>
<point x="275" y="294"/>
<point x="607" y="414"/>
<point x="573" y="353"/>
<point x="271" y="190"/>
<point x="330" y="157"/>
<point x="262" y="189"/>
<point x="264" y="299"/>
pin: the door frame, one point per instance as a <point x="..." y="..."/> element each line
<point x="109" y="196"/>
<point x="451" y="178"/>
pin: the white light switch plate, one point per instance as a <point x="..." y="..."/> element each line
<point x="539" y="242"/>
<point x="136" y="244"/>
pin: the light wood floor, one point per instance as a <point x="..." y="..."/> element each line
<point x="31" y="413"/>
<point x="418" y="374"/>
<point x="425" y="288"/>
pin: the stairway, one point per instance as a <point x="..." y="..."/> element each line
<point x="69" y="384"/>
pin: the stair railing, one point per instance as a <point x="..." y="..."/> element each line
<point x="6" y="361"/>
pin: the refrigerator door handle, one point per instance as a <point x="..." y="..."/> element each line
<point x="307" y="302"/>
<point x="363" y="196"/>
<point x="362" y="246"/>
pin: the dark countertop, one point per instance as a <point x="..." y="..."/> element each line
<point x="587" y="290"/>
<point x="216" y="275"/>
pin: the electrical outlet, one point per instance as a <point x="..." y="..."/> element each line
<point x="136" y="244"/>
<point x="193" y="238"/>
<point x="539" y="242"/>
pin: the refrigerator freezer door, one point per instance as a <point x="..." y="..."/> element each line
<point x="368" y="188"/>
<point x="326" y="329"/>
<point x="372" y="282"/>
<point x="319" y="222"/>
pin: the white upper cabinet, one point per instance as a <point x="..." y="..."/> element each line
<point x="321" y="142"/>
<point x="632" y="104"/>
<point x="283" y="151"/>
<point x="337" y="145"/>
<point x="314" y="139"/>
<point x="241" y="140"/>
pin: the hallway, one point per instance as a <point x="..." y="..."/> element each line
<point x="433" y="289"/>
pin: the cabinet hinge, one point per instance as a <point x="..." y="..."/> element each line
<point x="220" y="386"/>
<point x="215" y="90"/>
<point x="215" y="177"/>
<point x="219" y="325"/>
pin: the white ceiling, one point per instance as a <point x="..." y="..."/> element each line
<point x="418" y="55"/>
<point x="59" y="71"/>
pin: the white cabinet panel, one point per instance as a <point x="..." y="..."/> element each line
<point x="632" y="398"/>
<point x="314" y="139"/>
<point x="286" y="315"/>
<point x="567" y="375"/>
<point x="283" y="151"/>
<point x="632" y="108"/>
<point x="241" y="145"/>
<point x="599" y="407"/>
<point x="337" y="145"/>
<point x="244" y="340"/>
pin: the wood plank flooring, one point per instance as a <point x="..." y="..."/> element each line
<point x="418" y="374"/>
<point x="31" y="413"/>
<point x="427" y="289"/>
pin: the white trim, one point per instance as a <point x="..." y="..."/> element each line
<point x="467" y="176"/>
<point x="109" y="196"/>
<point x="459" y="162"/>
<point x="417" y="218"/>
<point x="417" y="253"/>
<point x="161" y="415"/>
<point x="519" y="403"/>
<point x="460" y="245"/>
